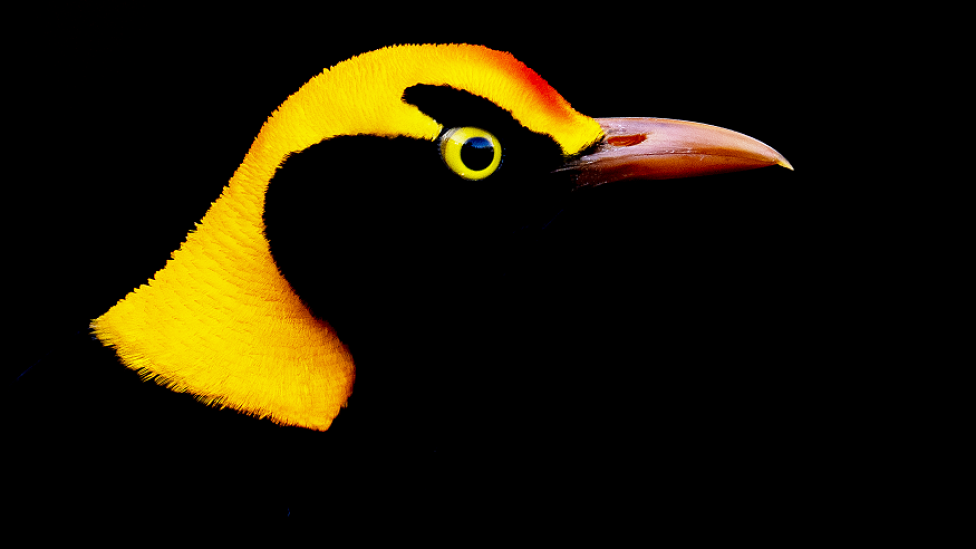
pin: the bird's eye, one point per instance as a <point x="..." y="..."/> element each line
<point x="472" y="153"/>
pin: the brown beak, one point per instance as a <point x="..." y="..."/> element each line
<point x="660" y="148"/>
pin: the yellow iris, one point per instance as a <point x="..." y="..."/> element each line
<point x="472" y="153"/>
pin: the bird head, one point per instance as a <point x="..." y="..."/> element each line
<point x="373" y="198"/>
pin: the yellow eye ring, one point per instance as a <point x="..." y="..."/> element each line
<point x="472" y="153"/>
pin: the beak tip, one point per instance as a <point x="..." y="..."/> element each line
<point x="786" y="164"/>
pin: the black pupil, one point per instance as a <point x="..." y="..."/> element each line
<point x="477" y="153"/>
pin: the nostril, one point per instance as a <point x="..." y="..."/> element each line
<point x="626" y="140"/>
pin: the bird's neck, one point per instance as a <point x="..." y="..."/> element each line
<point x="219" y="321"/>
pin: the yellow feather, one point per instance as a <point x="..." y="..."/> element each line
<point x="219" y="320"/>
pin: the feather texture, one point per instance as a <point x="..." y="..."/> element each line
<point x="219" y="320"/>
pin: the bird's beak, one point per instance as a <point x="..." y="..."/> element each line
<point x="659" y="148"/>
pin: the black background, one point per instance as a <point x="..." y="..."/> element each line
<point x="129" y="129"/>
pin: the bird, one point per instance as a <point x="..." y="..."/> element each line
<point x="374" y="271"/>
